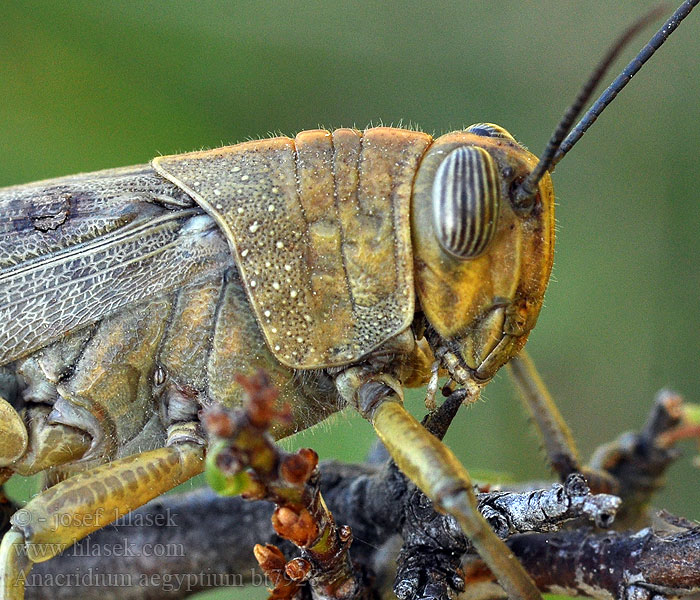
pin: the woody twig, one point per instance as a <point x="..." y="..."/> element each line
<point x="244" y="460"/>
<point x="638" y="461"/>
<point x="212" y="536"/>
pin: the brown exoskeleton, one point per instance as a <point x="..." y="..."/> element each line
<point x="345" y="264"/>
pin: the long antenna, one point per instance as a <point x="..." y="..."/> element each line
<point x="557" y="146"/>
<point x="623" y="79"/>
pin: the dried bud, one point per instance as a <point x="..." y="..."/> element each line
<point x="218" y="422"/>
<point x="297" y="468"/>
<point x="262" y="396"/>
<point x="229" y="462"/>
<point x="345" y="534"/>
<point x="300" y="528"/>
<point x="298" y="569"/>
<point x="286" y="517"/>
<point x="309" y="456"/>
<point x="271" y="561"/>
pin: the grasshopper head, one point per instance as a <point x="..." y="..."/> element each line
<point x="483" y="224"/>
<point x="482" y="257"/>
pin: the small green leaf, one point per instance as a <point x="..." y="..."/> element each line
<point x="692" y="413"/>
<point x="223" y="483"/>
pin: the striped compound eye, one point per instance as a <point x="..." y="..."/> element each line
<point x="466" y="199"/>
<point x="490" y="130"/>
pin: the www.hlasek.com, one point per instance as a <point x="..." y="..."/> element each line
<point x="167" y="582"/>
<point x="120" y="549"/>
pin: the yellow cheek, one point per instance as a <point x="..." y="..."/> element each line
<point x="457" y="296"/>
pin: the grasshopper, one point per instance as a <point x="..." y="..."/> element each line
<point x="346" y="264"/>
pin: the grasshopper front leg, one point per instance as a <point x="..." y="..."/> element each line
<point x="555" y="434"/>
<point x="434" y="469"/>
<point x="75" y="507"/>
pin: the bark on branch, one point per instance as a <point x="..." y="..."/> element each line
<point x="181" y="544"/>
<point x="208" y="540"/>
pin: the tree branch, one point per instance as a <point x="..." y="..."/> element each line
<point x="184" y="543"/>
<point x="603" y="565"/>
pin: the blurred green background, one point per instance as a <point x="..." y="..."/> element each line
<point x="96" y="84"/>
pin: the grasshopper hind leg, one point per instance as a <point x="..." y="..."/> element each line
<point x="13" y="434"/>
<point x="79" y="505"/>
<point x="434" y="469"/>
